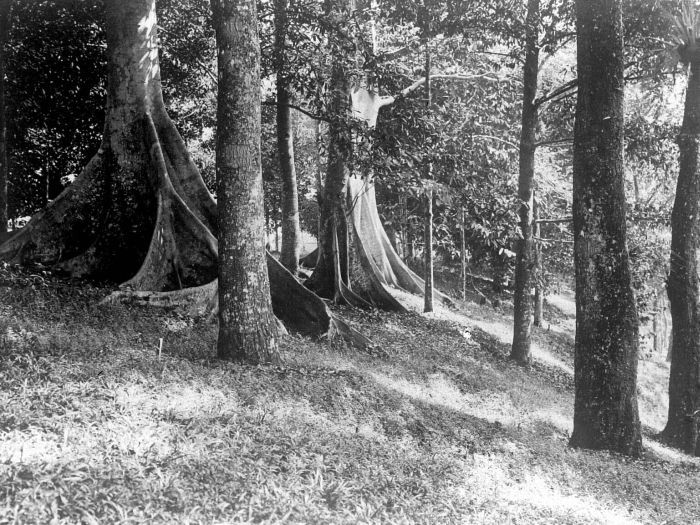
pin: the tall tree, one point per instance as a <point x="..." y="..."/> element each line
<point x="248" y="330"/>
<point x="428" y="219"/>
<point x="291" y="231"/>
<point x="5" y="6"/>
<point x="605" y="407"/>
<point x="525" y="265"/>
<point x="683" y="426"/>
<point x="139" y="210"/>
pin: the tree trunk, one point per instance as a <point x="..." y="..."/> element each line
<point x="248" y="330"/>
<point x="5" y="6"/>
<point x="140" y="205"/>
<point x="525" y="261"/>
<point x="607" y="328"/>
<point x="327" y="278"/>
<point x="428" y="224"/>
<point x="539" y="269"/>
<point x="291" y="231"/>
<point x="683" y="426"/>
<point x="463" y="255"/>
<point x="428" y="253"/>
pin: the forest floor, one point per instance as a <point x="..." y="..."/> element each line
<point x="433" y="425"/>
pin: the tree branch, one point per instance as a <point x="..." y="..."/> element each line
<point x="498" y="139"/>
<point x="554" y="142"/>
<point x="555" y="220"/>
<point x="298" y="108"/>
<point x="388" y="100"/>
<point x="556" y="92"/>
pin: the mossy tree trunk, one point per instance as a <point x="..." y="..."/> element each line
<point x="248" y="330"/>
<point x="683" y="426"/>
<point x="525" y="260"/>
<point x="291" y="230"/>
<point x="605" y="406"/>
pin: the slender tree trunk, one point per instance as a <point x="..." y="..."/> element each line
<point x="291" y="231"/>
<point x="428" y="228"/>
<point x="539" y="270"/>
<point x="5" y="6"/>
<point x="683" y="426"/>
<point x="607" y="328"/>
<point x="428" y="254"/>
<point x="463" y="254"/>
<point x="525" y="261"/>
<point x="248" y="329"/>
<point x="319" y="177"/>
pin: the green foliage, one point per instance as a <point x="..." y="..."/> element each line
<point x="55" y="96"/>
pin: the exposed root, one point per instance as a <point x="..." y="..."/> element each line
<point x="309" y="260"/>
<point x="183" y="251"/>
<point x="199" y="301"/>
<point x="374" y="265"/>
<point x="66" y="227"/>
<point x="300" y="310"/>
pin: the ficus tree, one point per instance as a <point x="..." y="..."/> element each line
<point x="140" y="213"/>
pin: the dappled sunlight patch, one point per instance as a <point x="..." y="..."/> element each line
<point x="503" y="490"/>
<point x="565" y="303"/>
<point x="652" y="385"/>
<point x="670" y="454"/>
<point x="490" y="406"/>
<point x="28" y="447"/>
<point x="536" y="491"/>
<point x="545" y="357"/>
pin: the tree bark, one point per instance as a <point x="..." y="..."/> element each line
<point x="683" y="426"/>
<point x="463" y="254"/>
<point x="539" y="269"/>
<point x="139" y="206"/>
<point x="605" y="407"/>
<point x="525" y="260"/>
<point x="248" y="330"/>
<point x="291" y="231"/>
<point x="5" y="7"/>
<point x="428" y="218"/>
<point x="330" y="276"/>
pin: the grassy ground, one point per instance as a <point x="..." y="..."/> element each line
<point x="434" y="425"/>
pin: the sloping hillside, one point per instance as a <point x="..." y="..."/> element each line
<point x="434" y="425"/>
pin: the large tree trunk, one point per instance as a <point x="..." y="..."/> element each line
<point x="683" y="427"/>
<point x="248" y="330"/>
<point x="140" y="210"/>
<point x="525" y="260"/>
<point x="291" y="231"/>
<point x="140" y="206"/>
<point x="5" y="6"/>
<point x="605" y="407"/>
